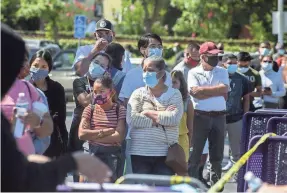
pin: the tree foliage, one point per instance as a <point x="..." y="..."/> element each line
<point x="142" y="16"/>
<point x="224" y="18"/>
<point x="47" y="10"/>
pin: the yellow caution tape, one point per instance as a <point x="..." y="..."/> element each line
<point x="235" y="168"/>
<point x="120" y="180"/>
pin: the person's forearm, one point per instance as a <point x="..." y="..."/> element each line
<point x="82" y="66"/>
<point x="255" y="94"/>
<point x="137" y="120"/>
<point x="201" y="96"/>
<point x="87" y="134"/>
<point x="86" y="101"/>
<point x="46" y="128"/>
<point x="219" y="90"/>
<point x="246" y="103"/>
<point x="114" y="138"/>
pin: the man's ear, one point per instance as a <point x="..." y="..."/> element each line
<point x="202" y="57"/>
<point x="114" y="34"/>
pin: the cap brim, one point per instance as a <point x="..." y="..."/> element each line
<point x="215" y="51"/>
<point x="106" y="29"/>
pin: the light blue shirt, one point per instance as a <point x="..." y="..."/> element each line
<point x="273" y="80"/>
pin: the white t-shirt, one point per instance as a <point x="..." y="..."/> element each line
<point x="83" y="51"/>
<point x="199" y="77"/>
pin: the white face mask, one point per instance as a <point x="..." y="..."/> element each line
<point x="243" y="70"/>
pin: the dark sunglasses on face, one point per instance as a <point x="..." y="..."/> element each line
<point x="269" y="61"/>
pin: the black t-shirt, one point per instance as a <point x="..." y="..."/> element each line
<point x="81" y="85"/>
<point x="239" y="87"/>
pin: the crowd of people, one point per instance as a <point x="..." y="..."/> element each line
<point x="130" y="118"/>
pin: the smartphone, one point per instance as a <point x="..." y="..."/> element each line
<point x="267" y="88"/>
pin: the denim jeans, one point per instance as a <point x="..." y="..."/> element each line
<point x="150" y="165"/>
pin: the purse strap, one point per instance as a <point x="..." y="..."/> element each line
<point x="163" y="128"/>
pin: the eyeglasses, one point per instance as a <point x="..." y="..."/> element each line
<point x="269" y="61"/>
<point x="155" y="46"/>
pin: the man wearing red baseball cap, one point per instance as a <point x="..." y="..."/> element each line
<point x="208" y="85"/>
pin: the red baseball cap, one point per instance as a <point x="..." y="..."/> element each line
<point x="209" y="48"/>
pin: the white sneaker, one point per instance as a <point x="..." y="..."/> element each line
<point x="227" y="166"/>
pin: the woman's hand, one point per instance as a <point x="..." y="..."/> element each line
<point x="92" y="167"/>
<point x="31" y="118"/>
<point x="151" y="114"/>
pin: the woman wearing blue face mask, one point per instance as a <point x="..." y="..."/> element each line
<point x="40" y="66"/>
<point x="151" y="109"/>
<point x="272" y="83"/>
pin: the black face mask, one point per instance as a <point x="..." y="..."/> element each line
<point x="212" y="60"/>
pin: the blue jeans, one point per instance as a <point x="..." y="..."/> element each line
<point x="150" y="165"/>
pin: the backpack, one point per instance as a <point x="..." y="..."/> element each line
<point x="40" y="144"/>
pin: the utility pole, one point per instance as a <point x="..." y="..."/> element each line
<point x="280" y="21"/>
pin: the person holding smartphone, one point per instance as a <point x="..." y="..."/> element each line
<point x="272" y="84"/>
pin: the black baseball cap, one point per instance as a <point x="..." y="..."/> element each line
<point x="244" y="57"/>
<point x="104" y="24"/>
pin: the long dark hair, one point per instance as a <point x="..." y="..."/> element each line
<point x="116" y="51"/>
<point x="183" y="85"/>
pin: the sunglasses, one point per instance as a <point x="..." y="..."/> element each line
<point x="269" y="61"/>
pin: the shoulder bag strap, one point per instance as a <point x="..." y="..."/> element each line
<point x="92" y="113"/>
<point x="163" y="128"/>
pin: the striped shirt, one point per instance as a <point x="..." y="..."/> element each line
<point x="104" y="119"/>
<point x="148" y="140"/>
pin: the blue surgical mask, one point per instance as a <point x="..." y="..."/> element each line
<point x="150" y="79"/>
<point x="96" y="71"/>
<point x="266" y="66"/>
<point x="243" y="70"/>
<point x="232" y="68"/>
<point x="154" y="52"/>
<point x="264" y="51"/>
<point x="38" y="74"/>
<point x="281" y="51"/>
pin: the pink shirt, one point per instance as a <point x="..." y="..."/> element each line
<point x="25" y="143"/>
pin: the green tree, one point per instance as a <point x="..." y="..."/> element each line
<point x="142" y="16"/>
<point x="8" y="12"/>
<point x="47" y="10"/>
<point x="225" y="18"/>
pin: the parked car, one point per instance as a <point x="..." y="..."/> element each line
<point x="62" y="71"/>
<point x="62" y="66"/>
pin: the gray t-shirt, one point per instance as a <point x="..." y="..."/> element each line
<point x="239" y="86"/>
<point x="183" y="68"/>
